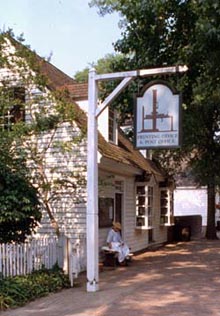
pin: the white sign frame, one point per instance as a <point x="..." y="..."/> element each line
<point x="158" y="117"/>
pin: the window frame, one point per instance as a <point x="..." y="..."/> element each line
<point x="106" y="211"/>
<point x="112" y="125"/>
<point x="144" y="204"/>
<point x="16" y="112"/>
<point x="166" y="207"/>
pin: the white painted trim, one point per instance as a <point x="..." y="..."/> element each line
<point x="117" y="75"/>
<point x="92" y="190"/>
<point x="191" y="188"/>
<point x="113" y="95"/>
<point x="142" y="72"/>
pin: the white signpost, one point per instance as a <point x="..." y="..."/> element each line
<point x="92" y="164"/>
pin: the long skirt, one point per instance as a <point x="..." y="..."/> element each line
<point x="122" y="249"/>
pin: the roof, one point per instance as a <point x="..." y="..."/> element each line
<point x="78" y="91"/>
<point x="124" y="152"/>
<point x="56" y="79"/>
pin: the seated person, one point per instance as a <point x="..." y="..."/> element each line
<point x="115" y="242"/>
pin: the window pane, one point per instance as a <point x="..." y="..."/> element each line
<point x="140" y="221"/>
<point x="163" y="210"/>
<point x="141" y="200"/>
<point x="150" y="191"/>
<point x="141" y="189"/>
<point x="141" y="210"/>
<point x="12" y="107"/>
<point x="111" y="124"/>
<point x="150" y="201"/>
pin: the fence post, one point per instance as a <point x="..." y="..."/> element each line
<point x="63" y="253"/>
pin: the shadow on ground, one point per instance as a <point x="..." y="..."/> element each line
<point x="178" y="279"/>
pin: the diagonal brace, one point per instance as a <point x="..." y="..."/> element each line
<point x="113" y="95"/>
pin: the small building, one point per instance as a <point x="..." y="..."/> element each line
<point x="132" y="189"/>
<point x="190" y="203"/>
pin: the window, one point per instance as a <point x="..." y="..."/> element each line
<point x="111" y="207"/>
<point x="166" y="207"/>
<point x="12" y="107"/>
<point x="106" y="212"/>
<point x="144" y="206"/>
<point x="119" y="197"/>
<point x="111" y="124"/>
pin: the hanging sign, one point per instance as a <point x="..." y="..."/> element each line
<point x="157" y="117"/>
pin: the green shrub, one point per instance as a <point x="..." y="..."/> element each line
<point x="18" y="290"/>
<point x="19" y="206"/>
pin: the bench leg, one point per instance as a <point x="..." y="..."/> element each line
<point x="110" y="260"/>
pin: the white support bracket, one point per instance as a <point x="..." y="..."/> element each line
<point x="113" y="95"/>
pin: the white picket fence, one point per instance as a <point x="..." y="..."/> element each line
<point x="76" y="256"/>
<point x="21" y="259"/>
<point x="24" y="258"/>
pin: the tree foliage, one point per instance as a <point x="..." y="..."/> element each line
<point x="159" y="32"/>
<point x="109" y="63"/>
<point x="19" y="206"/>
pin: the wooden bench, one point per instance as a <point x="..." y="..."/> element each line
<point x="111" y="257"/>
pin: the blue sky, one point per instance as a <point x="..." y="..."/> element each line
<point x="74" y="33"/>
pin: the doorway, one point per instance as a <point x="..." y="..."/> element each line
<point x="118" y="207"/>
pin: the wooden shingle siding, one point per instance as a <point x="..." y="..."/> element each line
<point x="70" y="209"/>
<point x="129" y="212"/>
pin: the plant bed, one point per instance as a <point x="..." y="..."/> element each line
<point x="18" y="290"/>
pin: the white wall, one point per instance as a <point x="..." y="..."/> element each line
<point x="137" y="239"/>
<point x="191" y="201"/>
<point x="102" y="120"/>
